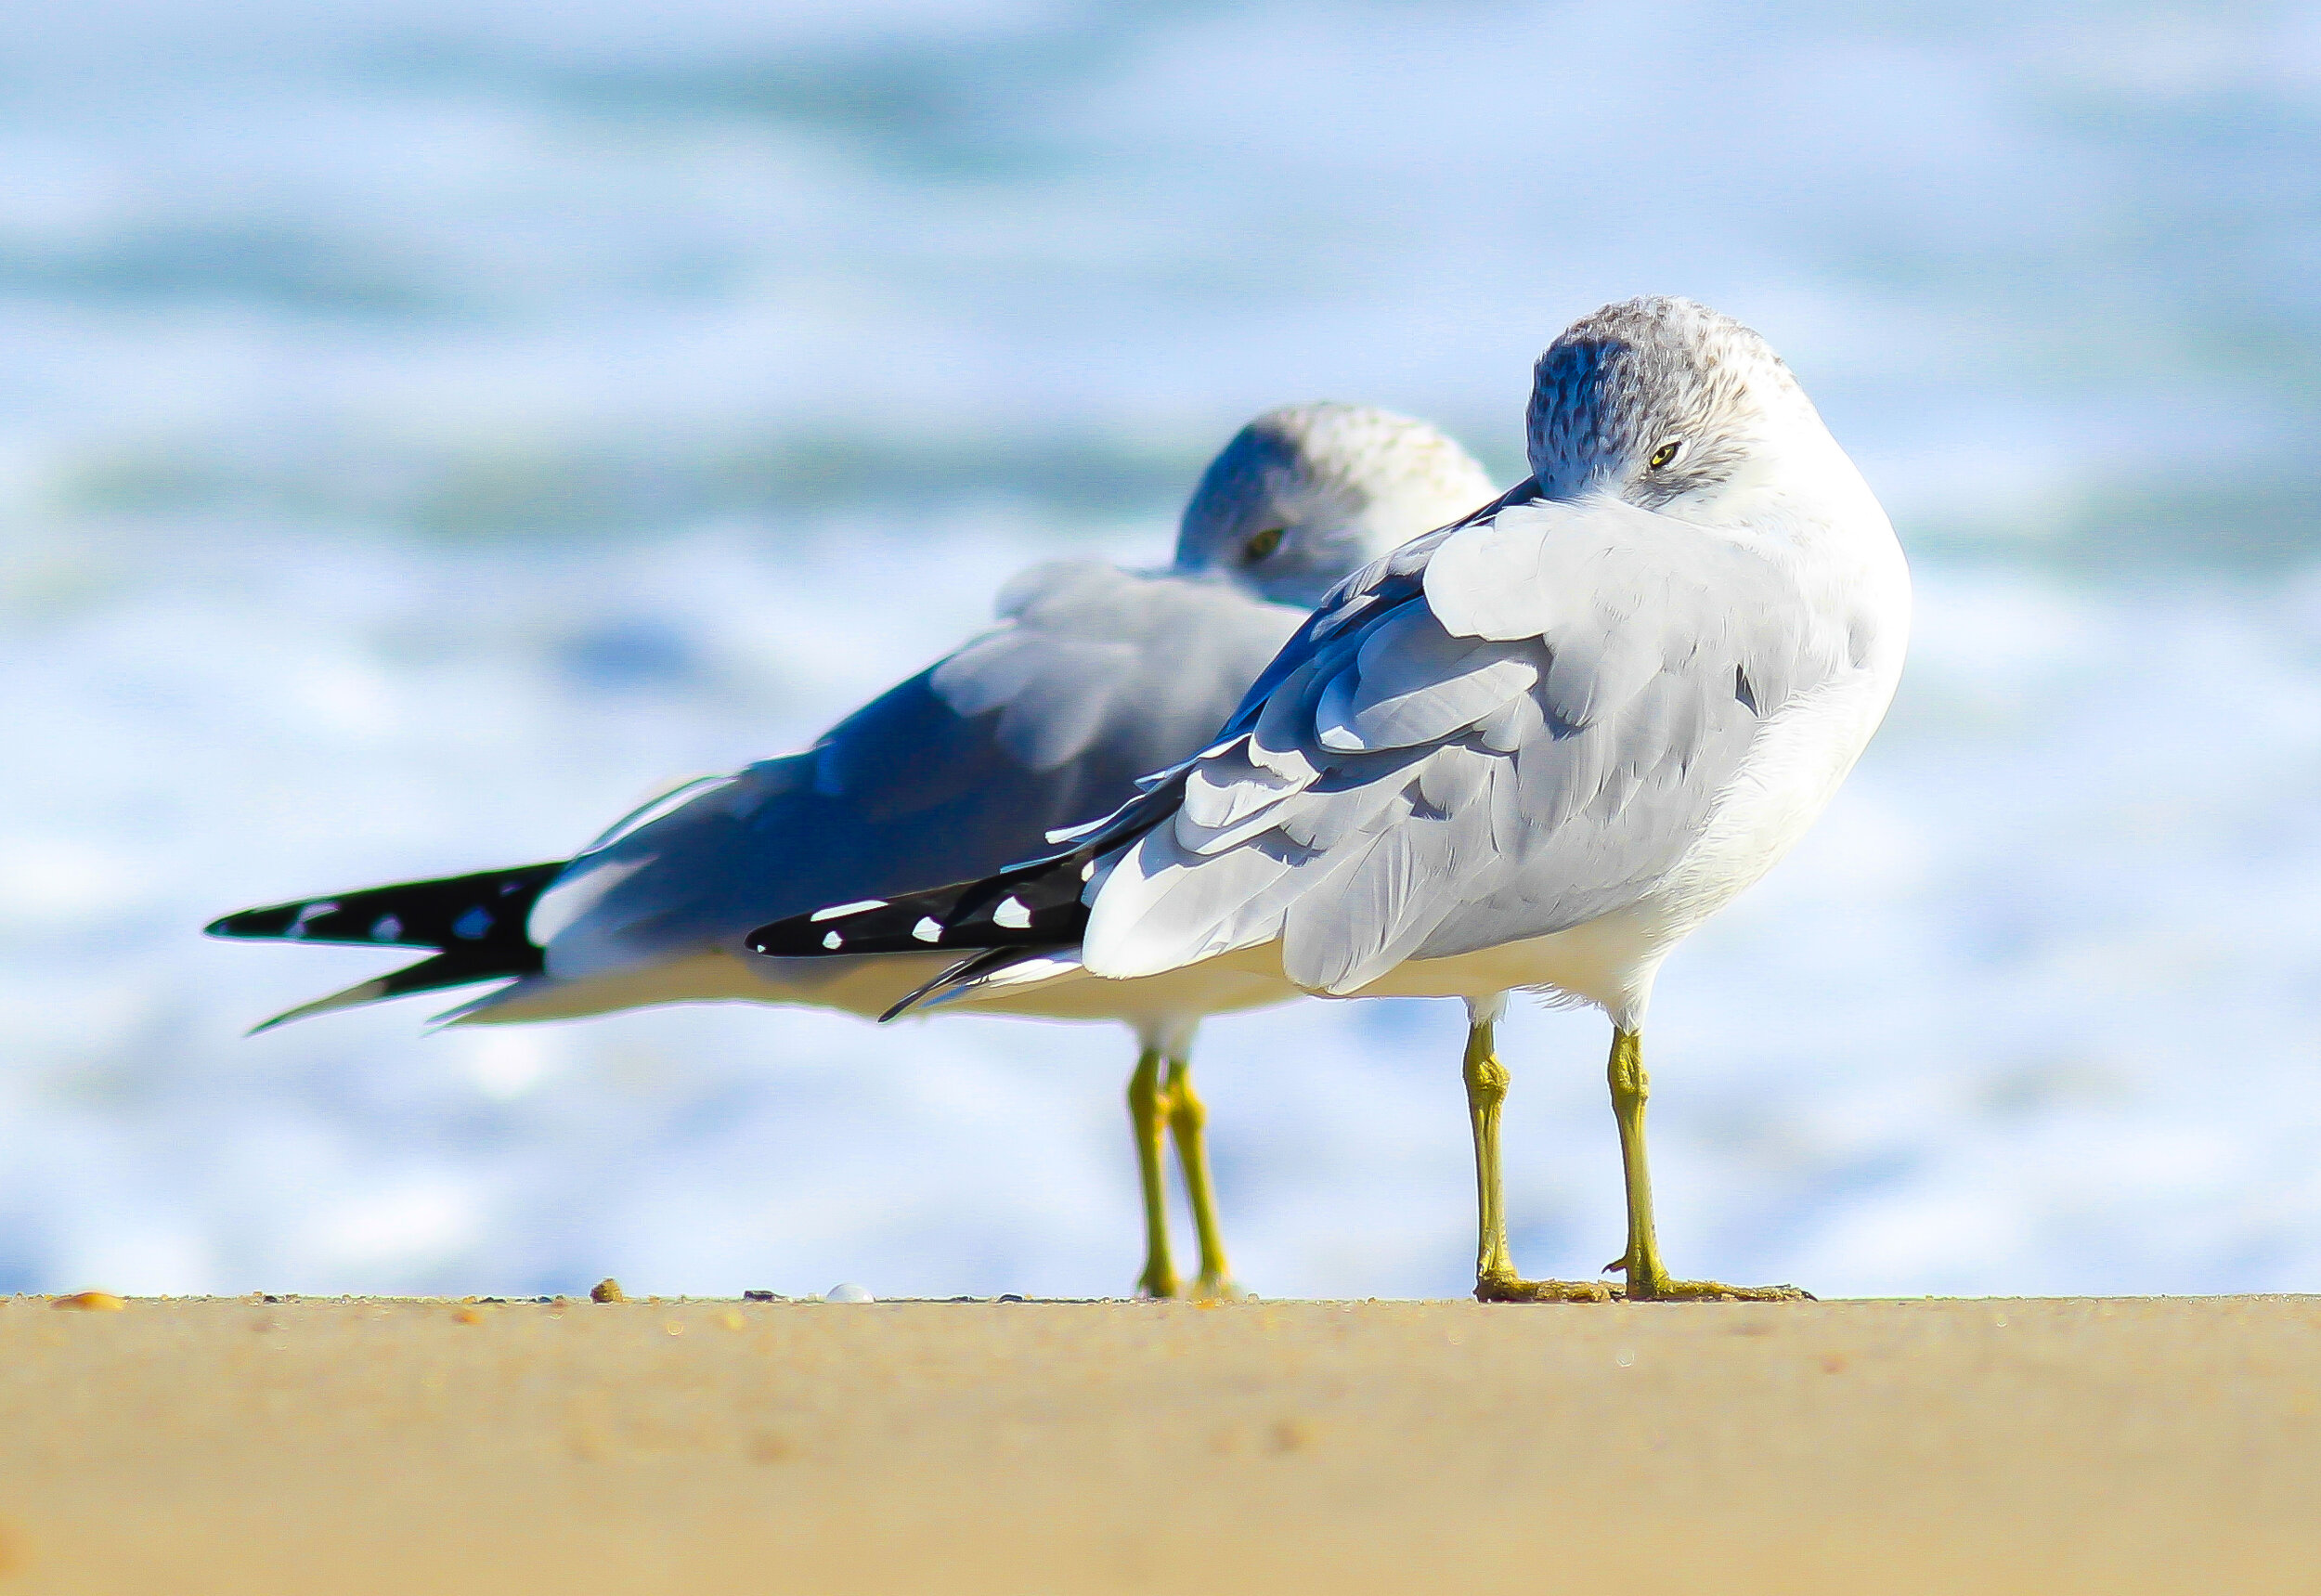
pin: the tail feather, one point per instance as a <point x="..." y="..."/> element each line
<point x="475" y="923"/>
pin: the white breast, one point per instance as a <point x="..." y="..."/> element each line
<point x="1794" y="767"/>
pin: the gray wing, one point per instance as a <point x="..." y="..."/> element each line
<point x="1506" y="729"/>
<point x="1094" y="678"/>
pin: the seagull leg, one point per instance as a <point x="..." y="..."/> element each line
<point x="1189" y="1120"/>
<point x="1647" y="1276"/>
<point x="1486" y="1080"/>
<point x="1144" y="1110"/>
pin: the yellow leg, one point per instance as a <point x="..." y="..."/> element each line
<point x="1496" y="1281"/>
<point x="1486" y="1080"/>
<point x="1145" y="1107"/>
<point x="1188" y="1121"/>
<point x="1648" y="1277"/>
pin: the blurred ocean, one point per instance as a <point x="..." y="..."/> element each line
<point x="427" y="430"/>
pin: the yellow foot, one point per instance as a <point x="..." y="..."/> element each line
<point x="1160" y="1285"/>
<point x="1217" y="1289"/>
<point x="1713" y="1291"/>
<point x="1496" y="1287"/>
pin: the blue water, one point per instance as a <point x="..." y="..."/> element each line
<point x="425" y="431"/>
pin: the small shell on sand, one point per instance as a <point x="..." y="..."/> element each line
<point x="607" y="1291"/>
<point x="91" y="1302"/>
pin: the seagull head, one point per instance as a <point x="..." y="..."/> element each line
<point x="1305" y="495"/>
<point x="1673" y="407"/>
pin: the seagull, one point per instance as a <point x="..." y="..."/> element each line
<point x="1093" y="676"/>
<point x="1530" y="750"/>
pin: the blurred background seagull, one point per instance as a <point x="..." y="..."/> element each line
<point x="1531" y="749"/>
<point x="1094" y="676"/>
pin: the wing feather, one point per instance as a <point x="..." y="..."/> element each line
<point x="1094" y="677"/>
<point x="1506" y="729"/>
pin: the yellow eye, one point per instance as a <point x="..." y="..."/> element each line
<point x="1664" y="454"/>
<point x="1264" y="544"/>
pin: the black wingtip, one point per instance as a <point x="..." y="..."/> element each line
<point x="966" y="972"/>
<point x="1032" y="905"/>
<point x="486" y="910"/>
<point x="918" y="994"/>
<point x="271" y="923"/>
<point x="1035" y="905"/>
<point x="463" y="969"/>
<point x="778" y="939"/>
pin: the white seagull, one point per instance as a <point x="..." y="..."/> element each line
<point x="1094" y="676"/>
<point x="1530" y="750"/>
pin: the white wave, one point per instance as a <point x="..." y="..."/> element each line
<point x="393" y="482"/>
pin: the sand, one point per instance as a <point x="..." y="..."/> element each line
<point x="357" y="1446"/>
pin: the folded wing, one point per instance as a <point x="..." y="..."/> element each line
<point x="1506" y="729"/>
<point x="1094" y="677"/>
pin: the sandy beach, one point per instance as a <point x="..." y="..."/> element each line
<point x="363" y="1444"/>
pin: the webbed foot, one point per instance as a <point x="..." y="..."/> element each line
<point x="1158" y="1282"/>
<point x="1505" y="1286"/>
<point x="1666" y="1290"/>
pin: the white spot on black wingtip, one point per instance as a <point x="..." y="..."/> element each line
<point x="928" y="929"/>
<point x="385" y="928"/>
<point x="474" y="925"/>
<point x="832" y="940"/>
<point x="311" y="911"/>
<point x="1011" y="914"/>
<point x="835" y="910"/>
<point x="1087" y="870"/>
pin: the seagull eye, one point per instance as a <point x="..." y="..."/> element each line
<point x="1664" y="453"/>
<point x="1261" y="545"/>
